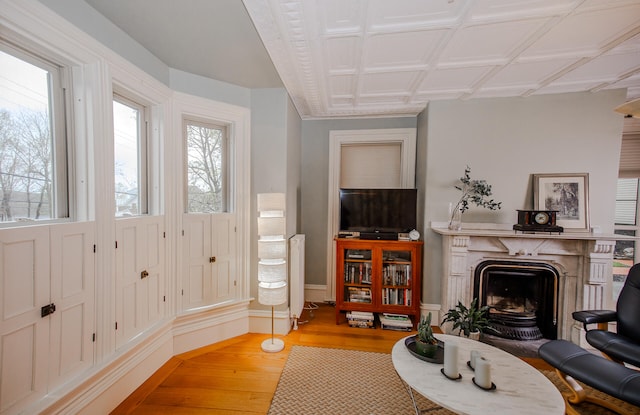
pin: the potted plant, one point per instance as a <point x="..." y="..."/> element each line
<point x="473" y="191"/>
<point x="426" y="343"/>
<point x="470" y="321"/>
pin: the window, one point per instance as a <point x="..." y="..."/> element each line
<point x="130" y="154"/>
<point x="207" y="186"/>
<point x="626" y="223"/>
<point x="33" y="142"/>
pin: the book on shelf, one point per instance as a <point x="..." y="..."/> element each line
<point x="360" y="314"/>
<point x="393" y="316"/>
<point x="363" y="319"/>
<point x="399" y="322"/>
<point x="359" y="294"/>
<point x="361" y="324"/>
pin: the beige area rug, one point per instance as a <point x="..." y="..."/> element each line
<point x="344" y="382"/>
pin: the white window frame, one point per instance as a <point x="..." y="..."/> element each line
<point x="61" y="115"/>
<point x="227" y="205"/>
<point x="143" y="147"/>
<point x="634" y="228"/>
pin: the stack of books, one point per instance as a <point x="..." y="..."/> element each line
<point x="401" y="322"/>
<point x="363" y="319"/>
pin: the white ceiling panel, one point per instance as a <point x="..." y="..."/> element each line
<point x="402" y="49"/>
<point x="387" y="82"/>
<point x="454" y="80"/>
<point x="596" y="69"/>
<point x="340" y="16"/>
<point x="413" y="14"/>
<point x="531" y="73"/>
<point x="589" y="33"/>
<point x="342" y="54"/>
<point x="342" y="85"/>
<point x="489" y="42"/>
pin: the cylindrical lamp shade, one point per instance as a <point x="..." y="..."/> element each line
<point x="271" y="202"/>
<point x="272" y="249"/>
<point x="272" y="293"/>
<point x="272" y="270"/>
<point x="271" y="227"/>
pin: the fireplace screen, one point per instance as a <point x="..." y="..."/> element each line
<point x="522" y="298"/>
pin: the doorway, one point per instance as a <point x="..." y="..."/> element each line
<point x="365" y="159"/>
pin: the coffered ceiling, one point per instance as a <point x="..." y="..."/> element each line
<point x="368" y="58"/>
<point x="343" y="58"/>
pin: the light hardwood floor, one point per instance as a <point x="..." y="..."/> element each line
<point x="236" y="377"/>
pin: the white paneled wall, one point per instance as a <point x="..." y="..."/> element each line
<point x="209" y="251"/>
<point x="140" y="276"/>
<point x="40" y="266"/>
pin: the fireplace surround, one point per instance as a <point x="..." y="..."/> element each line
<point x="574" y="271"/>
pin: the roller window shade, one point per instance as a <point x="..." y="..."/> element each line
<point x="371" y="166"/>
<point x="630" y="156"/>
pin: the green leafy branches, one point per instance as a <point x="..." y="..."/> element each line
<point x="468" y="319"/>
<point x="474" y="192"/>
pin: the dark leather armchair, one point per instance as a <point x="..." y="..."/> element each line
<point x="572" y="362"/>
<point x="623" y="346"/>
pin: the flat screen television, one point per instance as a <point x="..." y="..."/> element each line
<point x="378" y="210"/>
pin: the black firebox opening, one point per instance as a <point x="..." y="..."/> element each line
<point x="522" y="298"/>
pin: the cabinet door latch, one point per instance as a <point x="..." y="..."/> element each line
<point x="144" y="274"/>
<point x="47" y="309"/>
<point x="212" y="259"/>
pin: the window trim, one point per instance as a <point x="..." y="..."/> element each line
<point x="61" y="126"/>
<point x="227" y="203"/>
<point x="125" y="98"/>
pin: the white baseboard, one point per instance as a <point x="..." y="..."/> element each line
<point x="197" y="330"/>
<point x="107" y="385"/>
<point x="316" y="293"/>
<point x="435" y="312"/>
<point x="260" y="321"/>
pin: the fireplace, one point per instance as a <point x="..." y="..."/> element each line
<point x="532" y="282"/>
<point x="522" y="298"/>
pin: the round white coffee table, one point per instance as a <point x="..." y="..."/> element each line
<point x="520" y="388"/>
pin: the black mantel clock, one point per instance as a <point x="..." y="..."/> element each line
<point x="537" y="221"/>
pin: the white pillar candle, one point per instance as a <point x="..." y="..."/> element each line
<point x="475" y="355"/>
<point x="483" y="373"/>
<point x="451" y="359"/>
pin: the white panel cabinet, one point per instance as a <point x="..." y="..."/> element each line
<point x="140" y="276"/>
<point x="72" y="290"/>
<point x="209" y="245"/>
<point x="44" y="266"/>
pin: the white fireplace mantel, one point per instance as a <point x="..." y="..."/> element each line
<point x="584" y="261"/>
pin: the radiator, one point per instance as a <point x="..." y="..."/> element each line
<point x="296" y="277"/>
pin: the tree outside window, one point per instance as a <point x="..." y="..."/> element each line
<point x="26" y="141"/>
<point x="206" y="177"/>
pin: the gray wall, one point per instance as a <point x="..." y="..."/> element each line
<point x="315" y="177"/>
<point x="275" y="155"/>
<point x="505" y="141"/>
<point x="90" y="21"/>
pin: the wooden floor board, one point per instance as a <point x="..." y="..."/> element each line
<point x="236" y="377"/>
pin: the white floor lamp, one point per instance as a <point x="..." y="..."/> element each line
<point x="272" y="259"/>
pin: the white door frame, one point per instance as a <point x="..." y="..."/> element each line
<point x="406" y="137"/>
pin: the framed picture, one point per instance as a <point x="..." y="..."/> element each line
<point x="566" y="193"/>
